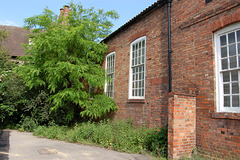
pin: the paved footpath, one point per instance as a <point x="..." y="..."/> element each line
<point x="15" y="145"/>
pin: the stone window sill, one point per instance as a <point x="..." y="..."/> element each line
<point x="226" y="115"/>
<point x="136" y="101"/>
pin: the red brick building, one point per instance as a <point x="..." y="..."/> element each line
<point x="202" y="108"/>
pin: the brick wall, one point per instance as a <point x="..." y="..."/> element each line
<point x="181" y="125"/>
<point x="153" y="110"/>
<point x="193" y="27"/>
<point x="193" y="70"/>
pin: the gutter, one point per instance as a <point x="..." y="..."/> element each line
<point x="169" y="2"/>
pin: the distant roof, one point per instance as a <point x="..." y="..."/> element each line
<point x="136" y="18"/>
<point x="16" y="38"/>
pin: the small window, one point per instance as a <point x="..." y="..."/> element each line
<point x="208" y="1"/>
<point x="137" y="69"/>
<point x="227" y="44"/>
<point x="110" y="69"/>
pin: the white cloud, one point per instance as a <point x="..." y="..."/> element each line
<point x="8" y="23"/>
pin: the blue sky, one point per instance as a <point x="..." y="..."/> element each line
<point x="13" y="12"/>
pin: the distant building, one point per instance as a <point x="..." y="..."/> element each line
<point x="14" y="41"/>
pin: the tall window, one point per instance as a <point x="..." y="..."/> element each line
<point x="137" y="69"/>
<point x="110" y="63"/>
<point x="227" y="42"/>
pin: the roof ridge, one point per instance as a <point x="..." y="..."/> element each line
<point x="135" y="18"/>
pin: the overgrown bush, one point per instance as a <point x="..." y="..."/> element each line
<point x="65" y="58"/>
<point x="60" y="66"/>
<point x="157" y="142"/>
<point x="117" y="135"/>
<point x="28" y="124"/>
<point x="10" y="88"/>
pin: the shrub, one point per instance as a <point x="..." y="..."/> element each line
<point x="157" y="142"/>
<point x="28" y="124"/>
<point x="126" y="138"/>
<point x="117" y="135"/>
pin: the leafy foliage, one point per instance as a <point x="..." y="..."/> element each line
<point x="65" y="59"/>
<point x="157" y="142"/>
<point x="117" y="135"/>
<point x="9" y="95"/>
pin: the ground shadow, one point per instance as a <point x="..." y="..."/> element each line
<point x="4" y="144"/>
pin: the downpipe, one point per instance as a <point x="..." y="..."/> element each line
<point x="169" y="2"/>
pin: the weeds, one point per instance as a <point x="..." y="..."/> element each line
<point x="116" y="135"/>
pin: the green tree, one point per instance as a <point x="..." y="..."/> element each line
<point x="65" y="58"/>
<point x="7" y="109"/>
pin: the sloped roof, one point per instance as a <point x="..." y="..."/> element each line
<point x="16" y="38"/>
<point x="136" y="18"/>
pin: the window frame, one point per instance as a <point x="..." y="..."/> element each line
<point x="219" y="80"/>
<point x="106" y="83"/>
<point x="130" y="69"/>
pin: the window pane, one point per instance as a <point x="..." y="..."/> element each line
<point x="234" y="75"/>
<point x="143" y="43"/>
<point x="223" y="40"/>
<point x="231" y="37"/>
<point x="238" y="61"/>
<point x="233" y="62"/>
<point x="224" y="64"/>
<point x="226" y="77"/>
<point x="238" y="48"/>
<point x="235" y="101"/>
<point x="226" y="101"/>
<point x="226" y="89"/>
<point x="224" y="52"/>
<point x="232" y="50"/>
<point x="140" y="69"/>
<point x="235" y="88"/>
<point x="135" y="61"/>
<point x="238" y="36"/>
<point x="143" y="51"/>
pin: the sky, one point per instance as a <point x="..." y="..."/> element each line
<point x="13" y="12"/>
